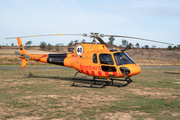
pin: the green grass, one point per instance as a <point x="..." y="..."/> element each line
<point x="47" y="94"/>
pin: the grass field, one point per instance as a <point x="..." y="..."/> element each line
<point x="47" y="94"/>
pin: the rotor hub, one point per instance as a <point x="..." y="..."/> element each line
<point x="93" y="35"/>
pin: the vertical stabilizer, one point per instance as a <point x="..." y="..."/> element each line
<point x="21" y="47"/>
<point x="23" y="52"/>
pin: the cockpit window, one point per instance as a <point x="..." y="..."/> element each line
<point x="123" y="58"/>
<point x="95" y="58"/>
<point x="106" y="59"/>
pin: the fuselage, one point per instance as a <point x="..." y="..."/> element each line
<point x="94" y="60"/>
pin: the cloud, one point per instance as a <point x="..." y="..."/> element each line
<point x="165" y="8"/>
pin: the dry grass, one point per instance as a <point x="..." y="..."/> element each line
<point x="11" y="59"/>
<point x="155" y="57"/>
<point x="32" y="51"/>
<point x="47" y="94"/>
<point x="141" y="56"/>
<point x="7" y="56"/>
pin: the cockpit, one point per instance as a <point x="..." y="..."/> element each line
<point x="110" y="61"/>
<point x="120" y="59"/>
<point x="123" y="58"/>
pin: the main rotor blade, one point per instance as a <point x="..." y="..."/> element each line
<point x="97" y="36"/>
<point x="44" y="35"/>
<point x="138" y="39"/>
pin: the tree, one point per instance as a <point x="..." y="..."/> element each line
<point x="83" y="41"/>
<point x="153" y="46"/>
<point x="120" y="46"/>
<point x="49" y="46"/>
<point x="137" y="45"/>
<point x="75" y="42"/>
<point x="169" y="48"/>
<point x="58" y="46"/>
<point x="71" y="43"/>
<point x="174" y="47"/>
<point x="124" y="42"/>
<point x="178" y="47"/>
<point x="28" y="43"/>
<point x="146" y="46"/>
<point x="111" y="40"/>
<point x="42" y="45"/>
<point x="130" y="45"/>
<point x="12" y="44"/>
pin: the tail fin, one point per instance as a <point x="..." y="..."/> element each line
<point x="23" y="52"/>
<point x="21" y="47"/>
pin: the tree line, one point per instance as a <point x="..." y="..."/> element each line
<point x="125" y="43"/>
<point x="173" y="48"/>
<point x="48" y="46"/>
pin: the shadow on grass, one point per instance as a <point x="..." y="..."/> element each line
<point x="171" y="72"/>
<point x="116" y="82"/>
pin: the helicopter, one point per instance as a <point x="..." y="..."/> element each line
<point x="92" y="59"/>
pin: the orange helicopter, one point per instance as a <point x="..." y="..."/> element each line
<point x="92" y="59"/>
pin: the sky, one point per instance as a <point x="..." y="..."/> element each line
<point x="150" y="19"/>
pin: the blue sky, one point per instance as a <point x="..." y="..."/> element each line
<point x="151" y="19"/>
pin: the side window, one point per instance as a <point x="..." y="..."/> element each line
<point x="108" y="68"/>
<point x="95" y="58"/>
<point x="106" y="59"/>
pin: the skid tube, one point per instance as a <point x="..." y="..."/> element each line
<point x="94" y="82"/>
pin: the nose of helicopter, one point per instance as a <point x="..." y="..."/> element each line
<point x="130" y="69"/>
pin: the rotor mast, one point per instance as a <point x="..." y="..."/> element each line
<point x="95" y="36"/>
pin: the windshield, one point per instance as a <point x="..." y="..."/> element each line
<point x="123" y="58"/>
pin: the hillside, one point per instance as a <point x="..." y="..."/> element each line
<point x="153" y="54"/>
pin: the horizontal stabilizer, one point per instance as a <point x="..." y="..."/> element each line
<point x="18" y="53"/>
<point x="26" y="56"/>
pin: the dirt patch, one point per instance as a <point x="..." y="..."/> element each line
<point x="152" y="94"/>
<point x="177" y="83"/>
<point x="120" y="115"/>
<point x="115" y="116"/>
<point x="175" y="114"/>
<point x="26" y="118"/>
<point x="43" y="96"/>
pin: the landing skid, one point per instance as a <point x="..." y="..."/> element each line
<point x="107" y="83"/>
